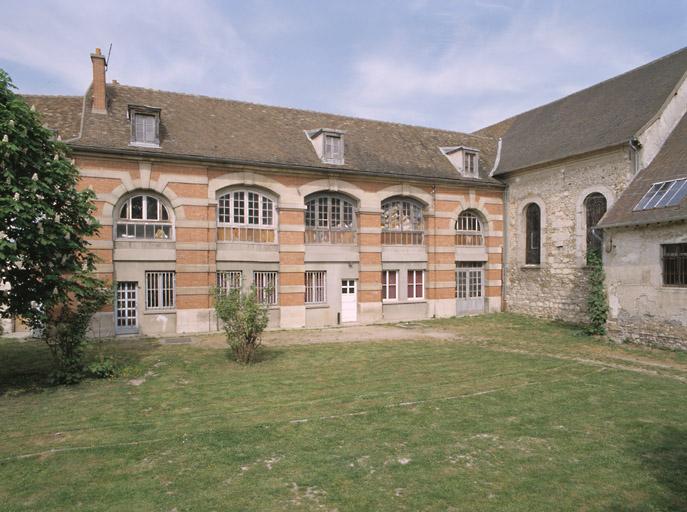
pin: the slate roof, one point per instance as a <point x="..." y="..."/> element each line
<point x="604" y="115"/>
<point x="232" y="131"/>
<point x="670" y="163"/>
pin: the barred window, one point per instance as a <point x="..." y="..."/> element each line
<point x="533" y="234"/>
<point x="674" y="264"/>
<point x="389" y="284"/>
<point x="245" y="216"/>
<point x="229" y="280"/>
<point x="469" y="229"/>
<point x="416" y="284"/>
<point x="160" y="290"/>
<point x="266" y="287"/>
<point x="143" y="217"/>
<point x="316" y="287"/>
<point x="329" y="218"/>
<point x="402" y="222"/>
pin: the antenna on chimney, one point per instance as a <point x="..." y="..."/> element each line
<point x="107" y="60"/>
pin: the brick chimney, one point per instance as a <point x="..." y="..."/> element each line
<point x="99" y="101"/>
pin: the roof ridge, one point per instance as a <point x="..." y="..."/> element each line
<point x="593" y="86"/>
<point x="293" y="109"/>
<point x="71" y="96"/>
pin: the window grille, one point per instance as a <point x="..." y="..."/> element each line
<point x="316" y="287"/>
<point x="245" y="216"/>
<point x="533" y="235"/>
<point x="595" y="208"/>
<point x="402" y="222"/>
<point x="228" y="281"/>
<point x="266" y="287"/>
<point x="663" y="194"/>
<point x="469" y="230"/>
<point x="416" y="284"/>
<point x="160" y="290"/>
<point x="389" y="284"/>
<point x="329" y="219"/>
<point x="674" y="264"/>
<point x="143" y="217"/>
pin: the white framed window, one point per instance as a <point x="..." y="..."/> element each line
<point x="144" y="217"/>
<point x="145" y="126"/>
<point x="316" y="287"/>
<point x="329" y="218"/>
<point x="416" y="284"/>
<point x="266" y="287"/>
<point x="160" y="290"/>
<point x="389" y="285"/>
<point x="469" y="231"/>
<point x="470" y="163"/>
<point x="402" y="222"/>
<point x="245" y="216"/>
<point x="229" y="280"/>
<point x="333" y="148"/>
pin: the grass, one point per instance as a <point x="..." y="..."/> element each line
<point x="505" y="413"/>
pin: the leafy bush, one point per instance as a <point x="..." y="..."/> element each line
<point x="104" y="368"/>
<point x="244" y="318"/>
<point x="597" y="303"/>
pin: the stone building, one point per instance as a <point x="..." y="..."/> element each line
<point x="333" y="219"/>
<point x="565" y="164"/>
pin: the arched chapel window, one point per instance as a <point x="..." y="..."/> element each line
<point x="595" y="208"/>
<point x="533" y="234"/>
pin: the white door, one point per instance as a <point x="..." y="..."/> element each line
<point x="469" y="289"/>
<point x="349" y="301"/>
<point x="126" y="308"/>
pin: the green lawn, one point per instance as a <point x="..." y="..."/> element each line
<point x="505" y="413"/>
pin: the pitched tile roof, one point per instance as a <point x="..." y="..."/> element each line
<point x="670" y="163"/>
<point x="224" y="130"/>
<point x="601" y="116"/>
<point x="61" y="113"/>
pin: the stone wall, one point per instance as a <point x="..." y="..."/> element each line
<point x="642" y="309"/>
<point x="557" y="288"/>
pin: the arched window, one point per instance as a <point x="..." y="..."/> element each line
<point x="329" y="219"/>
<point x="144" y="217"/>
<point x="402" y="222"/>
<point x="595" y="208"/>
<point x="245" y="216"/>
<point x="533" y="234"/>
<point x="469" y="229"/>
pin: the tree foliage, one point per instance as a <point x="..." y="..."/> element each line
<point x="244" y="318"/>
<point x="44" y="219"/>
<point x="597" y="303"/>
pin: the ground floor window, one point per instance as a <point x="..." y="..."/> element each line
<point x="229" y="280"/>
<point x="160" y="290"/>
<point x="416" y="284"/>
<point x="316" y="287"/>
<point x="674" y="264"/>
<point x="266" y="287"/>
<point x="389" y="284"/>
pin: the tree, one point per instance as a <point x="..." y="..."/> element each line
<point x="44" y="222"/>
<point x="244" y="318"/>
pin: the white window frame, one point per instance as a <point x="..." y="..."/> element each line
<point x="332" y="148"/>
<point x="316" y="287"/>
<point x="414" y="282"/>
<point x="385" y="285"/>
<point x="134" y="112"/>
<point x="469" y="226"/>
<point x="228" y="280"/>
<point x="227" y="210"/>
<point x="160" y="285"/>
<point x="266" y="286"/>
<point x="157" y="223"/>
<point x="470" y="163"/>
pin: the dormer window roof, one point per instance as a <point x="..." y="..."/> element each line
<point x="464" y="159"/>
<point x="145" y="126"/>
<point x="328" y="144"/>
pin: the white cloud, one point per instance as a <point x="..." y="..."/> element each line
<point x="161" y="44"/>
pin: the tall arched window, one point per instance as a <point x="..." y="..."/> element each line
<point x="143" y="217"/>
<point x="595" y="208"/>
<point x="402" y="222"/>
<point x="533" y="234"/>
<point x="329" y="219"/>
<point x="245" y="216"/>
<point x="469" y="229"/>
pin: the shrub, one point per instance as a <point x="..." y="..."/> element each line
<point x="597" y="303"/>
<point x="104" y="368"/>
<point x="244" y="318"/>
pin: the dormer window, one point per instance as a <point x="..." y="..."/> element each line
<point x="145" y="126"/>
<point x="328" y="144"/>
<point x="464" y="159"/>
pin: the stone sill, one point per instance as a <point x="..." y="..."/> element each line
<point x="530" y="267"/>
<point x="317" y="306"/>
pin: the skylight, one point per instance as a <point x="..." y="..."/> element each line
<point x="663" y="194"/>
